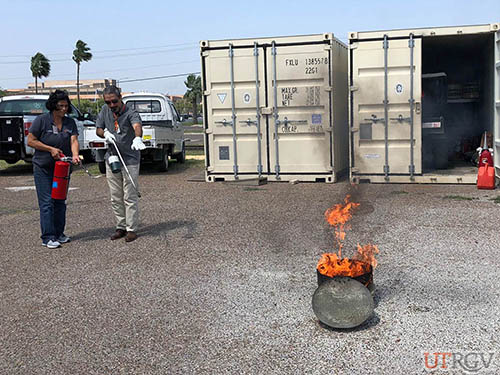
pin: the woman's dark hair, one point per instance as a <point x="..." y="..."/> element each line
<point x="54" y="97"/>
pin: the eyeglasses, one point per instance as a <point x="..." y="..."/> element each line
<point x="114" y="101"/>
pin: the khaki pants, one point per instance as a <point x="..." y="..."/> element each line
<point x="124" y="199"/>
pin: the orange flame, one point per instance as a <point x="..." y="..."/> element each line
<point x="337" y="217"/>
<point x="332" y="264"/>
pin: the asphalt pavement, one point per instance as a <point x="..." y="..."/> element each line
<point x="221" y="278"/>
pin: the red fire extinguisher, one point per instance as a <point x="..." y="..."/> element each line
<point x="486" y="172"/>
<point x="60" y="183"/>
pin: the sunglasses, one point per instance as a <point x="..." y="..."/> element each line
<point x="114" y="101"/>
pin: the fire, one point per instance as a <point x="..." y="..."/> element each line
<point x="332" y="264"/>
<point x="337" y="217"/>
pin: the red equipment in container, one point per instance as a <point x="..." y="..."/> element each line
<point x="486" y="173"/>
<point x="60" y="183"/>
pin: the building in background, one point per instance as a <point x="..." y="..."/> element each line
<point x="89" y="88"/>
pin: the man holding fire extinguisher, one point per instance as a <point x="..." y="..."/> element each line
<point x="121" y="127"/>
<point x="52" y="135"/>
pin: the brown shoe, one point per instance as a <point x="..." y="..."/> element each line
<point x="131" y="236"/>
<point x="118" y="234"/>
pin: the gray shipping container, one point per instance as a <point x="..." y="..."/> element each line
<point x="275" y="108"/>
<point x="420" y="101"/>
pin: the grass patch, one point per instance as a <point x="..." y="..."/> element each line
<point x="496" y="199"/>
<point x="458" y="198"/>
<point x="92" y="168"/>
<point x="193" y="130"/>
<point x="194" y="151"/>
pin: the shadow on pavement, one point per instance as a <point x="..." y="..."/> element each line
<point x="149" y="230"/>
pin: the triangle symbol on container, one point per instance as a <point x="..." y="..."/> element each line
<point x="222" y="97"/>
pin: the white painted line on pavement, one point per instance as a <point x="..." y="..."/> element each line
<point x="23" y="188"/>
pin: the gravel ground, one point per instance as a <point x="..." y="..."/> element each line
<point x="221" y="278"/>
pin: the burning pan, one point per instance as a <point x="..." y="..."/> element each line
<point x="366" y="279"/>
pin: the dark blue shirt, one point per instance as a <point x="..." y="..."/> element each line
<point x="45" y="130"/>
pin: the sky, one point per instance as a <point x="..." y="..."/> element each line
<point x="135" y="40"/>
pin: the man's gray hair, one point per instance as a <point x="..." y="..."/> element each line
<point x="111" y="90"/>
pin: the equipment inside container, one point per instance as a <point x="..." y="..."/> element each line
<point x="457" y="100"/>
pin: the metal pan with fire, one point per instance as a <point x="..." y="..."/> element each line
<point x="344" y="297"/>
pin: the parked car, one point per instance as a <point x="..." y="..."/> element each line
<point x="17" y="113"/>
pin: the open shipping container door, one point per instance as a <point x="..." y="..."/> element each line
<point x="496" y="96"/>
<point x="300" y="94"/>
<point x="234" y="95"/>
<point x="386" y="109"/>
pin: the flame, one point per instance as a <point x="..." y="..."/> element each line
<point x="332" y="264"/>
<point x="337" y="217"/>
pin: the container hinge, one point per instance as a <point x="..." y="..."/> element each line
<point x="286" y="121"/>
<point x="354" y="170"/>
<point x="411" y="169"/>
<point x="329" y="129"/>
<point x="386" y="169"/>
<point x="375" y="119"/>
<point x="210" y="169"/>
<point x="329" y="168"/>
<point x="354" y="130"/>
<point x="206" y="92"/>
<point x="328" y="88"/>
<point x="400" y="118"/>
<point x="204" y="53"/>
<point x="354" y="88"/>
<point x="353" y="45"/>
<point x="328" y="47"/>
<point x="208" y="131"/>
<point x="248" y="122"/>
<point x="224" y="122"/>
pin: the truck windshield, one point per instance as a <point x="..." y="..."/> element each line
<point x="24" y="106"/>
<point x="145" y="106"/>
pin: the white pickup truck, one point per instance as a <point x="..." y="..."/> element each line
<point x="162" y="131"/>
<point x="17" y="113"/>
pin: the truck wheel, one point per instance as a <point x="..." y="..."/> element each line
<point x="181" y="156"/>
<point x="88" y="156"/>
<point x="102" y="167"/>
<point x="163" y="163"/>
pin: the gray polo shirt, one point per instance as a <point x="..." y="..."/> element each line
<point x="125" y="133"/>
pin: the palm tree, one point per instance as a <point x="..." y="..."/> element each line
<point x="193" y="94"/>
<point x="40" y="67"/>
<point x="80" y="53"/>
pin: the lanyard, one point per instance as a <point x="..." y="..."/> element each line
<point x="115" y="116"/>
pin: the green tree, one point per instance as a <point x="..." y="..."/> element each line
<point x="2" y="92"/>
<point x="183" y="105"/>
<point x="193" y="94"/>
<point x="40" y="67"/>
<point x="80" y="53"/>
<point x="91" y="107"/>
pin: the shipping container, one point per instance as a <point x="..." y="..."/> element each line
<point x="275" y="108"/>
<point x="420" y="102"/>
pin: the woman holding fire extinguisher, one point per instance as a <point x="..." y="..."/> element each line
<point x="52" y="135"/>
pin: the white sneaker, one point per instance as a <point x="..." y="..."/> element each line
<point x="52" y="244"/>
<point x="63" y="239"/>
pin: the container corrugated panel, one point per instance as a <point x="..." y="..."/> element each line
<point x="394" y="137"/>
<point x="275" y="108"/>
